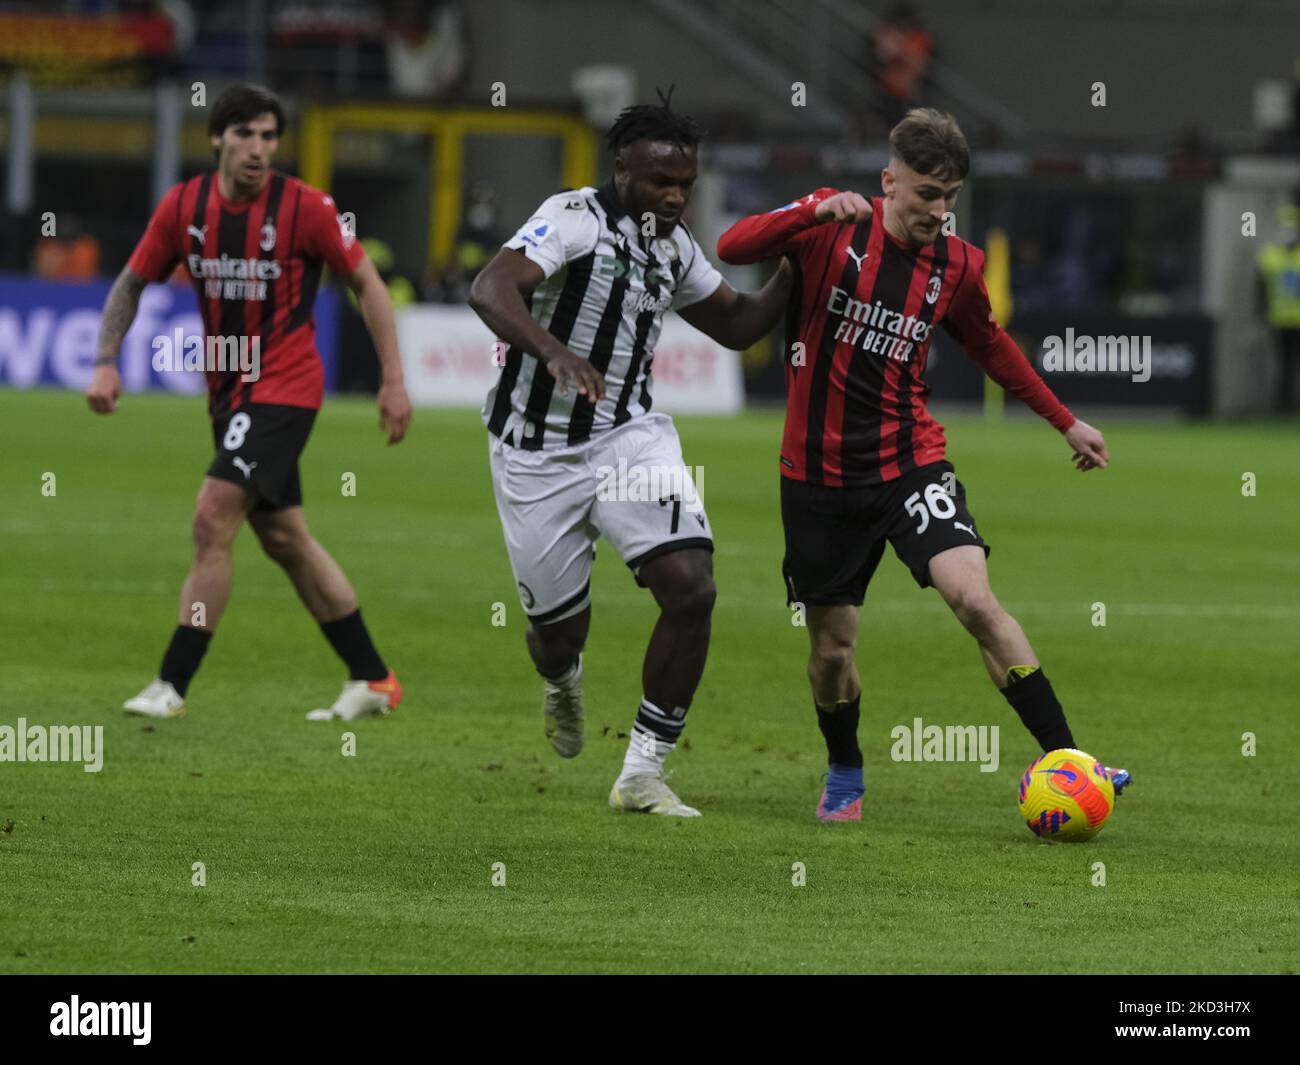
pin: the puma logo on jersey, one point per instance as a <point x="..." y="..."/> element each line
<point x="859" y="259"/>
<point x="959" y="525"/>
<point x="245" y="468"/>
<point x="201" y="235"/>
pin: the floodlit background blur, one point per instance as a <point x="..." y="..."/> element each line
<point x="441" y="125"/>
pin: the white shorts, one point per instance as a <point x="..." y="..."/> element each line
<point x="628" y="485"/>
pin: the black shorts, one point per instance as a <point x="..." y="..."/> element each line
<point x="258" y="448"/>
<point x="835" y="537"/>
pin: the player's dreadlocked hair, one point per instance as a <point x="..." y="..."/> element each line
<point x="648" y="122"/>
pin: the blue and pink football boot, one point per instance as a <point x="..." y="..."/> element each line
<point x="842" y="797"/>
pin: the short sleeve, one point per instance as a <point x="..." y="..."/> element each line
<point x="701" y="279"/>
<point x="326" y="234"/>
<point x="156" y="254"/>
<point x="562" y="229"/>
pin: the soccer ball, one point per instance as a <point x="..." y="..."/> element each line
<point x="1066" y="795"/>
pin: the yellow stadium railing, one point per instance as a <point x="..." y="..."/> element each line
<point x="447" y="129"/>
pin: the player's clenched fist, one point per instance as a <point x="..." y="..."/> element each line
<point x="105" y="387"/>
<point x="569" y="370"/>
<point x="843" y="207"/>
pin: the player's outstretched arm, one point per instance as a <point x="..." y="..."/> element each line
<point x="773" y="233"/>
<point x="497" y="296"/>
<point x="738" y="319"/>
<point x="970" y="321"/>
<point x="377" y="312"/>
<point x="114" y="323"/>
<point x="1007" y="365"/>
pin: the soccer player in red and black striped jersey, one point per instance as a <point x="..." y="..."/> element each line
<point x="254" y="242"/>
<point x="862" y="460"/>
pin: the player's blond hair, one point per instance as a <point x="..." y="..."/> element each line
<point x="931" y="143"/>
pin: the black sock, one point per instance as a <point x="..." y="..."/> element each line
<point x="183" y="655"/>
<point x="1033" y="699"/>
<point x="351" y="642"/>
<point x="839" y="725"/>
<point x="664" y="725"/>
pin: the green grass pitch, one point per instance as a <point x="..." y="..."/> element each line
<point x="384" y="861"/>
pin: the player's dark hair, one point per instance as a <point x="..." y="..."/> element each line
<point x="243" y="103"/>
<point x="654" y="123"/>
<point x="931" y="143"/>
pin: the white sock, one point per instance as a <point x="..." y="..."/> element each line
<point x="646" y="751"/>
<point x="645" y="754"/>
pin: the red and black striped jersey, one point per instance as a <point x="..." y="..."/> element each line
<point x="255" y="267"/>
<point x="862" y="314"/>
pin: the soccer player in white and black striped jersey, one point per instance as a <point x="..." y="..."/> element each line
<point x="579" y="295"/>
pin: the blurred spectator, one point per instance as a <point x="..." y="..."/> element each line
<point x="479" y="238"/>
<point x="1279" y="301"/>
<point x="72" y="255"/>
<point x="425" y="45"/>
<point x="358" y="365"/>
<point x="328" y="45"/>
<point x="899" y="54"/>
<point x="446" y="284"/>
<point x="477" y="241"/>
<point x="400" y="289"/>
<point x="185" y="25"/>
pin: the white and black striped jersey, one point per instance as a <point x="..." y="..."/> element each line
<point x="604" y="297"/>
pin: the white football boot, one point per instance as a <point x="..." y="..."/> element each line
<point x="362" y="698"/>
<point x="562" y="711"/>
<point x="647" y="793"/>
<point x="159" y="699"/>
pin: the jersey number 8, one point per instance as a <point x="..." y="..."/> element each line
<point x="236" y="431"/>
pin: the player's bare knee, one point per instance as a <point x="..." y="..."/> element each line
<point x="211" y="528"/>
<point x="684" y="587"/>
<point x="979" y="612"/>
<point x="831" y="658"/>
<point x="552" y="647"/>
<point x="831" y="655"/>
<point x="283" y="546"/>
<point x="537" y="642"/>
<point x="556" y="637"/>
<point x="696" y="597"/>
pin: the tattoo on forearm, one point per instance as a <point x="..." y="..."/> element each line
<point x="119" y="313"/>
